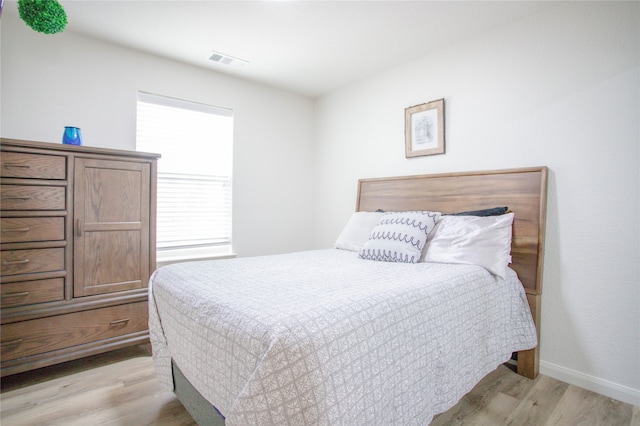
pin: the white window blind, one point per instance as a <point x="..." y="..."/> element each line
<point x="194" y="173"/>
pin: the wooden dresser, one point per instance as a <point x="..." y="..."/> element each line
<point x="78" y="246"/>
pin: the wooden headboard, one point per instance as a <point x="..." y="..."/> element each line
<point x="523" y="190"/>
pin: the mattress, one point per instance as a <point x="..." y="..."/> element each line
<point x="324" y="338"/>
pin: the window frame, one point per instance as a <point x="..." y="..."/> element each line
<point x="185" y="252"/>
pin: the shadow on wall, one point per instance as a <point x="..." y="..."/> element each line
<point x="558" y="325"/>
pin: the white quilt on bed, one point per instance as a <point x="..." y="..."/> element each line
<point x="324" y="338"/>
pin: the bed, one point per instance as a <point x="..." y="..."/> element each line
<point x="327" y="337"/>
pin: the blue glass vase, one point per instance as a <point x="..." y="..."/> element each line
<point x="72" y="136"/>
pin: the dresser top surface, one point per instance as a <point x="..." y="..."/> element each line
<point x="6" y="143"/>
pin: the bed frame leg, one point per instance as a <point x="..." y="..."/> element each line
<point x="529" y="361"/>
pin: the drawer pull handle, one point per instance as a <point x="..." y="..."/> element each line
<point x="120" y="321"/>
<point x="12" y="342"/>
<point x="16" y="166"/>
<point x="15" y="262"/>
<point x="27" y="229"/>
<point x="16" y="294"/>
<point x="17" y="197"/>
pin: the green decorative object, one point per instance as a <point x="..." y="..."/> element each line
<point x="44" y="16"/>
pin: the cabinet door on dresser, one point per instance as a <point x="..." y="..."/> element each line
<point x="111" y="219"/>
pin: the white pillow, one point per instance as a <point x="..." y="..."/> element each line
<point x="357" y="230"/>
<point x="484" y="241"/>
<point x="399" y="237"/>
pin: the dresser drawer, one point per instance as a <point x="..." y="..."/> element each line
<point x="26" y="197"/>
<point x="48" y="334"/>
<point x="32" y="260"/>
<point x="25" y="229"/>
<point x="23" y="165"/>
<point x="31" y="292"/>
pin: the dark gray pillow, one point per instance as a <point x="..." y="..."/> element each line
<point x="494" y="211"/>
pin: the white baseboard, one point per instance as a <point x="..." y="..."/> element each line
<point x="594" y="384"/>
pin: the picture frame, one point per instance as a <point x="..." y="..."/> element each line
<point x="424" y="129"/>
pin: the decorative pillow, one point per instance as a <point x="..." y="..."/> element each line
<point x="399" y="237"/>
<point x="484" y="241"/>
<point x="494" y="211"/>
<point x="357" y="230"/>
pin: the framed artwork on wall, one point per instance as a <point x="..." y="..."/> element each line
<point x="424" y="129"/>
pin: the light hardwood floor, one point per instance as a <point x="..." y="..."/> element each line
<point x="120" y="388"/>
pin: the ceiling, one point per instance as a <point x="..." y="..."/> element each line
<point x="308" y="47"/>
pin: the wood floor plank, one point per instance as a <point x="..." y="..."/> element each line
<point x="151" y="409"/>
<point x="496" y="412"/>
<point x="87" y="385"/>
<point x="582" y="407"/>
<point x="502" y="380"/>
<point x="635" y="418"/>
<point x="536" y="407"/>
<point x="121" y="389"/>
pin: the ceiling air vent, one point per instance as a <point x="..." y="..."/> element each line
<point x="230" y="61"/>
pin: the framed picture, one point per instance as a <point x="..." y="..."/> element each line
<point x="424" y="129"/>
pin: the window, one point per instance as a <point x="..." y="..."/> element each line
<point x="194" y="174"/>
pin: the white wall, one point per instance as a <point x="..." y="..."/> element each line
<point x="561" y="89"/>
<point x="49" y="81"/>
